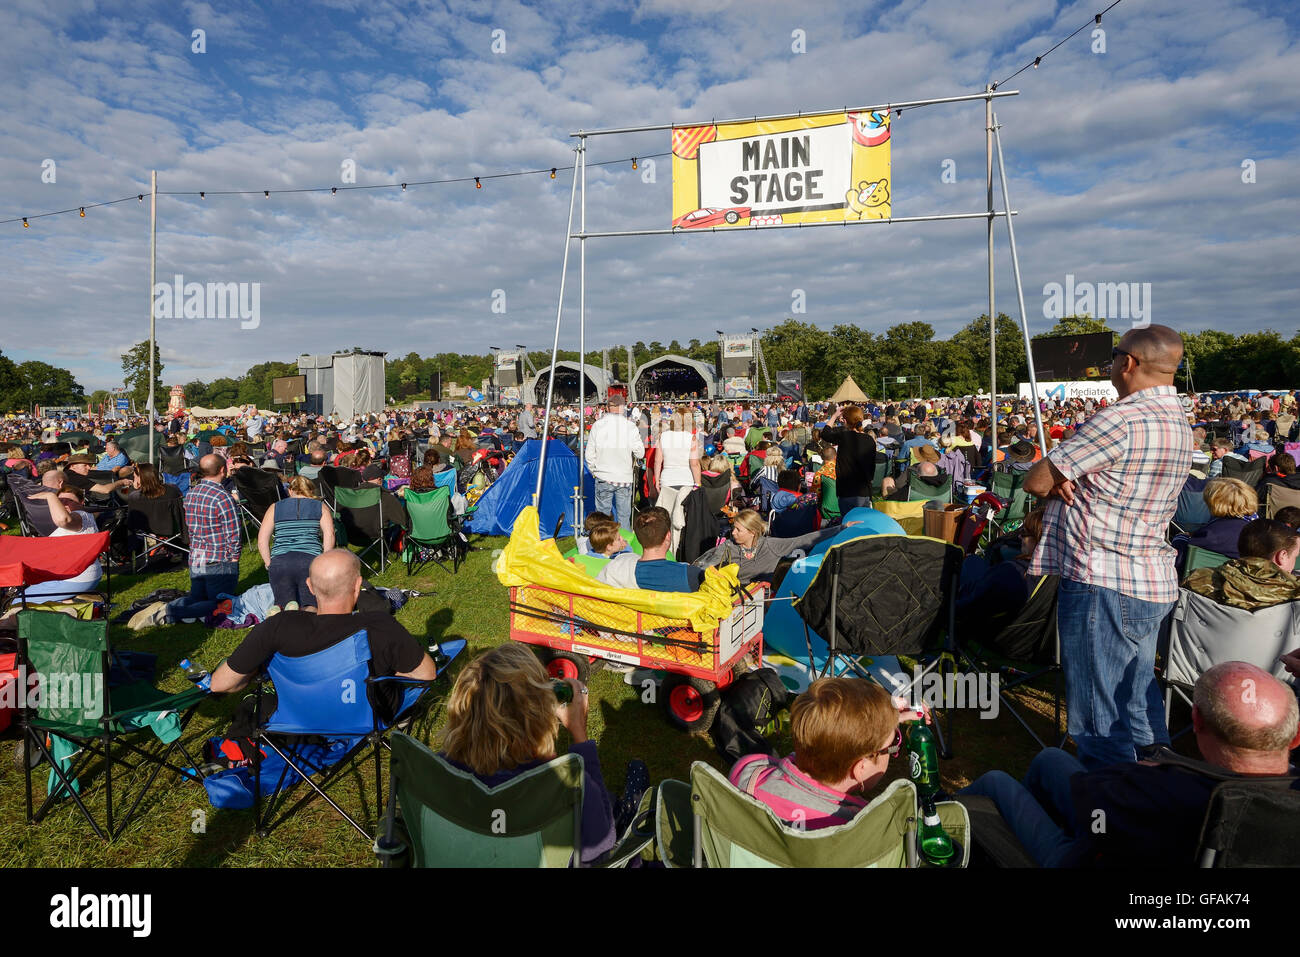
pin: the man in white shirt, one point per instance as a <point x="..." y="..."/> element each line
<point x="613" y="447"/>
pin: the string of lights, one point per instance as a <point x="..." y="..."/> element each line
<point x="1036" y="61"/>
<point x="332" y="190"/>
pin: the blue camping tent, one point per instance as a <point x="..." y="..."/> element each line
<point x="505" y="498"/>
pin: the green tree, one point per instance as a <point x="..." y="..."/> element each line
<point x="135" y="375"/>
<point x="13" y="391"/>
<point x="1076" y="326"/>
<point x="50" y="385"/>
<point x="971" y="358"/>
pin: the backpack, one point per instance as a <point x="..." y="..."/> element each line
<point x="750" y="708"/>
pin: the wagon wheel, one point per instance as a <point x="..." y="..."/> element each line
<point x="691" y="703"/>
<point x="564" y="664"/>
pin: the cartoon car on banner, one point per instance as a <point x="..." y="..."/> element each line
<point x="711" y="216"/>
<point x="870" y="129"/>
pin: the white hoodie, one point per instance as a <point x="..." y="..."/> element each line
<point x="620" y="571"/>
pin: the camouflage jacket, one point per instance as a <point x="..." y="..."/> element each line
<point x="1248" y="583"/>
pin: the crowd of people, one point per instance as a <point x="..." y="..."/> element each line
<point x="1125" y="490"/>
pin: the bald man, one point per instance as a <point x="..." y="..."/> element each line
<point x="1111" y="491"/>
<point x="1149" y="814"/>
<point x="335" y="579"/>
<point x="213" y="522"/>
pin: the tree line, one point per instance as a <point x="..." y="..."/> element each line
<point x="958" y="365"/>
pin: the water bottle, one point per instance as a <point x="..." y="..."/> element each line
<point x="196" y="674"/>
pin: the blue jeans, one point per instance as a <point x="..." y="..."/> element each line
<point x="288" y="572"/>
<point x="214" y="579"/>
<point x="615" y="500"/>
<point x="1039" y="810"/>
<point x="1108" y="652"/>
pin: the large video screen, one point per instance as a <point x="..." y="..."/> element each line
<point x="289" y="390"/>
<point x="1071" y="358"/>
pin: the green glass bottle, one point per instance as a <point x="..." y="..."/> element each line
<point x="923" y="759"/>
<point x="935" y="845"/>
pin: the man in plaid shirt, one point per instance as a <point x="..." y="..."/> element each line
<point x="212" y="519"/>
<point x="1111" y="491"/>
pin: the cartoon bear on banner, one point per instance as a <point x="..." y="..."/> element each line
<point x="868" y="199"/>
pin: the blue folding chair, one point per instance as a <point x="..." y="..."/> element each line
<point x="328" y="695"/>
<point x="181" y="481"/>
<point x="445" y="479"/>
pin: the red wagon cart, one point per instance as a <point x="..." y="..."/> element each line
<point x="572" y="630"/>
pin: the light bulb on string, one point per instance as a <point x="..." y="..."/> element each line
<point x="266" y="193"/>
<point x="334" y="190"/>
<point x="634" y="162"/>
<point x="403" y="187"/>
<point x="552" y="172"/>
<point x="1037" y="60"/>
<point x="477" y="183"/>
<point x="140" y="197"/>
<point x="83" y="211"/>
<point x="26" y="224"/>
<point x="200" y="194"/>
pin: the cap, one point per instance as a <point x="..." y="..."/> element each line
<point x="81" y="459"/>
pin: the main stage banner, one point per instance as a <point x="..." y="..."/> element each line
<point x="815" y="169"/>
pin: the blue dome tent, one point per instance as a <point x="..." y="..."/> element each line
<point x="510" y="494"/>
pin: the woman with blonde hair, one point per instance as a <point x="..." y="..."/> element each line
<point x="303" y="527"/>
<point x="755" y="552"/>
<point x="677" y="468"/>
<point x="1232" y="504"/>
<point x="502" y="720"/>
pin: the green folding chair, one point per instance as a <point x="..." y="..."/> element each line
<point x="830" y="502"/>
<point x="128" y="726"/>
<point x="1010" y="488"/>
<point x="1202" y="558"/>
<point x="918" y="491"/>
<point x="434" y="535"/>
<point x="711" y="823"/>
<point x="452" y="819"/>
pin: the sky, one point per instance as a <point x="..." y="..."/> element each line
<point x="1161" y="152"/>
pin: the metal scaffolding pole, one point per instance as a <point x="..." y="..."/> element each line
<point x="1020" y="291"/>
<point x="153" y="278"/>
<point x="933" y="218"/>
<point x="555" y="349"/>
<point x="993" y="318"/>
<point x="578" y="503"/>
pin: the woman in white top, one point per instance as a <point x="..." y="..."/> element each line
<point x="677" y="466"/>
<point x="69" y="519"/>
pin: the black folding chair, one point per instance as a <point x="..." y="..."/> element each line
<point x="886" y="595"/>
<point x="258" y="491"/>
<point x="1020" y="651"/>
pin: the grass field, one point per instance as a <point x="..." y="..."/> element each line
<point x="178" y="828"/>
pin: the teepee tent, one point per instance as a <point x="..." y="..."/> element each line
<point x="848" y="392"/>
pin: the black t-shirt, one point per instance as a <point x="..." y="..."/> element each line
<point x="855" y="461"/>
<point x="295" y="634"/>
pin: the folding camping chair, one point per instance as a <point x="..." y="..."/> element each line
<point x="711" y="823"/>
<point x="362" y="514"/>
<point x="33" y="516"/>
<point x="258" y="491"/>
<point x="1010" y="488"/>
<point x="1192" y="513"/>
<point x="1278" y="497"/>
<point x="798" y="518"/>
<point x="452" y="819"/>
<point x="1202" y="558"/>
<point x="171" y="460"/>
<point x="333" y="477"/>
<point x="435" y="534"/>
<point x="899" y="595"/>
<point x="1201" y="633"/>
<point x="918" y="491"/>
<point x="1252" y="472"/>
<point x="1247" y="823"/>
<point x="309" y="707"/>
<point x="80" y="709"/>
<point x="1021" y="651"/>
<point x="157" y="532"/>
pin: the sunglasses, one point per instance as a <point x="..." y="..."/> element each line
<point x="893" y="749"/>
<point x="1120" y="352"/>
